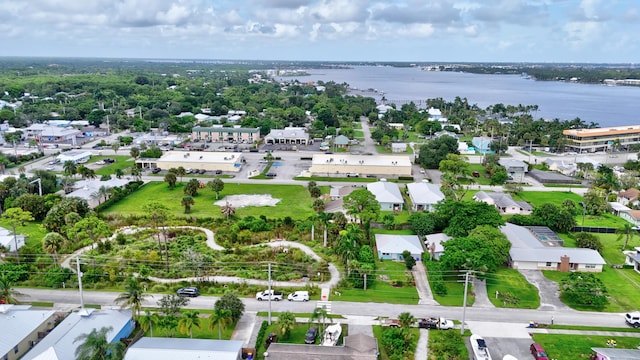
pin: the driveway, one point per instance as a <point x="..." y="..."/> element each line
<point x="480" y="289"/>
<point x="422" y="284"/>
<point x="548" y="290"/>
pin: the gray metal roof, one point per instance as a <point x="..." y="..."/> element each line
<point x="520" y="237"/>
<point x="396" y="244"/>
<point x="424" y="193"/>
<point x="618" y="354"/>
<point x="547" y="254"/>
<point x="386" y="192"/>
<point x="438" y="239"/>
<point x="618" y="207"/>
<point x="174" y="348"/>
<point x="512" y="163"/>
<point x="17" y="322"/>
<point x="59" y="343"/>
<point x="357" y="347"/>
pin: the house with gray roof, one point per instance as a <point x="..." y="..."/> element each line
<point x="158" y="348"/>
<point x="424" y="196"/>
<point x="356" y="347"/>
<point x="341" y="141"/>
<point x="388" y="195"/>
<point x="516" y="169"/>
<point x="60" y="343"/>
<point x="9" y="241"/>
<point x="434" y="244"/>
<point x="391" y="246"/>
<point x="503" y="202"/>
<point x="633" y="258"/>
<point x="22" y="328"/>
<point x="532" y="249"/>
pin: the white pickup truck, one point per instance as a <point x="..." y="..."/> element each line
<point x="265" y="295"/>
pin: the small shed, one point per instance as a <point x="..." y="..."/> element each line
<point x="398" y="147"/>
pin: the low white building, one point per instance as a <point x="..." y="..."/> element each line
<point x="288" y="135"/>
<point x="77" y="157"/>
<point x="504" y="203"/>
<point x="21" y="329"/>
<point x="157" y="348"/>
<point x="206" y="160"/>
<point x="388" y="195"/>
<point x="391" y="246"/>
<point x="343" y="164"/>
<point x="424" y="196"/>
<point x="434" y="244"/>
<point x="398" y="147"/>
<point x="515" y="168"/>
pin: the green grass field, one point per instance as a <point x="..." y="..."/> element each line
<point x="510" y="280"/>
<point x="381" y="290"/>
<point x="33" y="230"/>
<point x="377" y="333"/>
<point x="202" y="332"/>
<point x="538" y="198"/>
<point x="578" y="347"/>
<point x="295" y="200"/>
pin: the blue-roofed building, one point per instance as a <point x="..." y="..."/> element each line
<point x="173" y="348"/>
<point x="22" y="327"/>
<point x="481" y="144"/>
<point x="60" y="345"/>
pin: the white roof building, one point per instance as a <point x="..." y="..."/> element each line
<point x="21" y="326"/>
<point x="86" y="189"/>
<point x="60" y="343"/>
<point x="340" y="164"/>
<point x="173" y="348"/>
<point x="435" y="241"/>
<point x="75" y="156"/>
<point x="424" y="195"/>
<point x="391" y="246"/>
<point x="434" y="113"/>
<point x="388" y="195"/>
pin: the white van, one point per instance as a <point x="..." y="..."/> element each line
<point x="299" y="296"/>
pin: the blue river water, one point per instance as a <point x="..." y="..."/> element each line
<point x="605" y="105"/>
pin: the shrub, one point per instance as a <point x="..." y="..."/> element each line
<point x="56" y="276"/>
<point x="588" y="241"/>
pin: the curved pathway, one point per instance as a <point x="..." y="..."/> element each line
<point x="333" y="270"/>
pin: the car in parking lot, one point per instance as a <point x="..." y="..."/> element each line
<point x="188" y="291"/>
<point x="270" y="174"/>
<point x="218" y="172"/>
<point x="312" y="334"/>
<point x="353" y="175"/>
<point x="156" y="170"/>
<point x="538" y="352"/>
<point x="108" y="160"/>
<point x="50" y="168"/>
<point x="188" y="171"/>
<point x="202" y="171"/>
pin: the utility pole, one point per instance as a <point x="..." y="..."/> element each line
<point x="464" y="305"/>
<point x="269" y="292"/>
<point x="365" y="281"/>
<point x="79" y="281"/>
<point x="39" y="185"/>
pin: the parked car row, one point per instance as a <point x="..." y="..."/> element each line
<point x="279" y="295"/>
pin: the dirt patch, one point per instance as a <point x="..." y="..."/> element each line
<point x="239" y="201"/>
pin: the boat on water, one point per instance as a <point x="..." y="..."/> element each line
<point x="479" y="347"/>
<point x="331" y="335"/>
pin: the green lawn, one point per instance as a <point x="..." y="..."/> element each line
<point x="295" y="200"/>
<point x="203" y="332"/>
<point x="454" y="282"/>
<point x="619" y="283"/>
<point x="381" y="290"/>
<point x="377" y="333"/>
<point x="453" y="342"/>
<point x="537" y="198"/>
<point x="33" y="230"/>
<point x="387" y="150"/>
<point x="578" y="347"/>
<point x="611" y="251"/>
<point x="401" y="217"/>
<point x="510" y="280"/>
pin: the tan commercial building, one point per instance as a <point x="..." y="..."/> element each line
<point x="360" y="165"/>
<point x="236" y="135"/>
<point x="209" y="161"/>
<point x="601" y="139"/>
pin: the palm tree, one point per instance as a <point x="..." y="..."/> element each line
<point x="320" y="315"/>
<point x="7" y="292"/>
<point x="115" y="146"/>
<point x="52" y="243"/>
<point x="133" y="296"/>
<point x="228" y="210"/>
<point x="148" y="320"/>
<point x="135" y="152"/>
<point x="180" y="171"/>
<point x="170" y="178"/>
<point x="286" y="323"/>
<point x="187" y="202"/>
<point x="95" y="346"/>
<point x="406" y="319"/>
<point x="188" y="320"/>
<point x="626" y="231"/>
<point x="220" y="318"/>
<point x="169" y="322"/>
<point x="70" y="167"/>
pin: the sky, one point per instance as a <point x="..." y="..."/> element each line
<point x="592" y="31"/>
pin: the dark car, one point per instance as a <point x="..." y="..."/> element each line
<point x="538" y="352"/>
<point x="476" y="174"/>
<point x="156" y="170"/>
<point x="108" y="160"/>
<point x="271" y="174"/>
<point x="218" y="172"/>
<point x="188" y="291"/>
<point x="312" y="334"/>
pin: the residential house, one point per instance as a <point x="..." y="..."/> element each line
<point x="562" y="166"/>
<point x="158" y="348"/>
<point x="424" y="196"/>
<point x="398" y="147"/>
<point x="89" y="189"/>
<point x="434" y="113"/>
<point x="515" y="168"/>
<point x="356" y="347"/>
<point x="535" y="248"/>
<point x="391" y="246"/>
<point x="288" y="135"/>
<point x="617" y="208"/>
<point x="465" y="149"/>
<point x="397" y="126"/>
<point x="633" y="258"/>
<point x="8" y="240"/>
<point x="481" y="144"/>
<point x="60" y="343"/>
<point x="446" y="133"/>
<point x="609" y="353"/>
<point x="22" y="328"/>
<point x="341" y="141"/>
<point x="388" y="195"/>
<point x="434" y="246"/>
<point x="632" y="216"/>
<point x="629" y="197"/>
<point x="504" y="203"/>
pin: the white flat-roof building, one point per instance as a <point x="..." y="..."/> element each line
<point x="209" y="161"/>
<point x="342" y="164"/>
<point x="77" y="157"/>
<point x="173" y="348"/>
<point x="288" y="135"/>
<point x="21" y="329"/>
